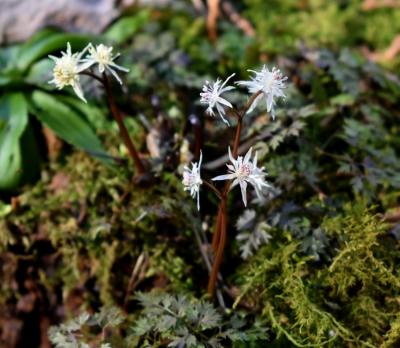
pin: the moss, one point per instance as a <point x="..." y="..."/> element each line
<point x="96" y="221"/>
<point x="349" y="302"/>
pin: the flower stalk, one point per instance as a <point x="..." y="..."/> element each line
<point x="242" y="170"/>
<point x="220" y="232"/>
<point x="67" y="71"/>
<point x="122" y="129"/>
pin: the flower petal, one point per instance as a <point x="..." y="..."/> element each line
<point x="224" y="177"/>
<point x="243" y="187"/>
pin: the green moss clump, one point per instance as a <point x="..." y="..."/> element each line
<point x="350" y="302"/>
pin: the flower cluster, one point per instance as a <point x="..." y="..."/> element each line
<point x="211" y="96"/>
<point x="70" y="65"/>
<point x="270" y="84"/>
<point x="241" y="171"/>
<point x="265" y="84"/>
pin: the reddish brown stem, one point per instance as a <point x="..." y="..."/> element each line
<point x="213" y="13"/>
<point x="212" y="282"/>
<point x="124" y="132"/>
<point x="215" y="239"/>
<point x="219" y="237"/>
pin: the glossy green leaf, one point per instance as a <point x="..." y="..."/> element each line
<point x="46" y="44"/>
<point x="13" y="121"/>
<point x="67" y="124"/>
<point x="94" y="114"/>
<point x="40" y="72"/>
<point x="124" y="28"/>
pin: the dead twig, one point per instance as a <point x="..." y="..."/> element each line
<point x="212" y="16"/>
<point x="369" y="5"/>
<point x="235" y="17"/>
<point x="136" y="277"/>
<point x="387" y="55"/>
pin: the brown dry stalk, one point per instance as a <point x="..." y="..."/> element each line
<point x="212" y="16"/>
<point x="235" y="17"/>
<point x="387" y="55"/>
<point x="369" y="5"/>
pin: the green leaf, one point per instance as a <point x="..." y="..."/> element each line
<point x="124" y="28"/>
<point x="95" y="115"/>
<point x="343" y="100"/>
<point x="46" y="44"/>
<point x="13" y="121"/>
<point x="67" y="124"/>
<point x="40" y="72"/>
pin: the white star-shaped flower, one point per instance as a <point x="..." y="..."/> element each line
<point x="102" y="56"/>
<point x="211" y="96"/>
<point x="270" y="83"/>
<point x="67" y="69"/>
<point x="243" y="171"/>
<point x="192" y="180"/>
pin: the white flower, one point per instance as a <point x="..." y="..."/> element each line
<point x="67" y="69"/>
<point x="211" y="96"/>
<point x="243" y="171"/>
<point x="192" y="180"/>
<point x="271" y="83"/>
<point x="103" y="56"/>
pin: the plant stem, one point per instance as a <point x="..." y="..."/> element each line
<point x="124" y="132"/>
<point x="219" y="236"/>
<point x="215" y="239"/>
<point x="220" y="251"/>
<point x="213" y="188"/>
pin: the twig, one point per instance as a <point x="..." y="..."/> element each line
<point x="387" y="55"/>
<point x="133" y="281"/>
<point x="212" y="16"/>
<point x="235" y="17"/>
<point x="369" y="5"/>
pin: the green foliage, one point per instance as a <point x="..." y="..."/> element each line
<point x="281" y="25"/>
<point x="183" y="322"/>
<point x="14" y="120"/>
<point x="78" y="332"/>
<point x="311" y="261"/>
<point x="24" y="76"/>
<point x="66" y="123"/>
<point x="351" y="301"/>
<point x="126" y="27"/>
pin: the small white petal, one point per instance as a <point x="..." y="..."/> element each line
<point x="78" y="90"/>
<point x="243" y="187"/>
<point x="270" y="82"/>
<point x="248" y="155"/>
<point x="224" y="177"/>
<point x="211" y="96"/>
